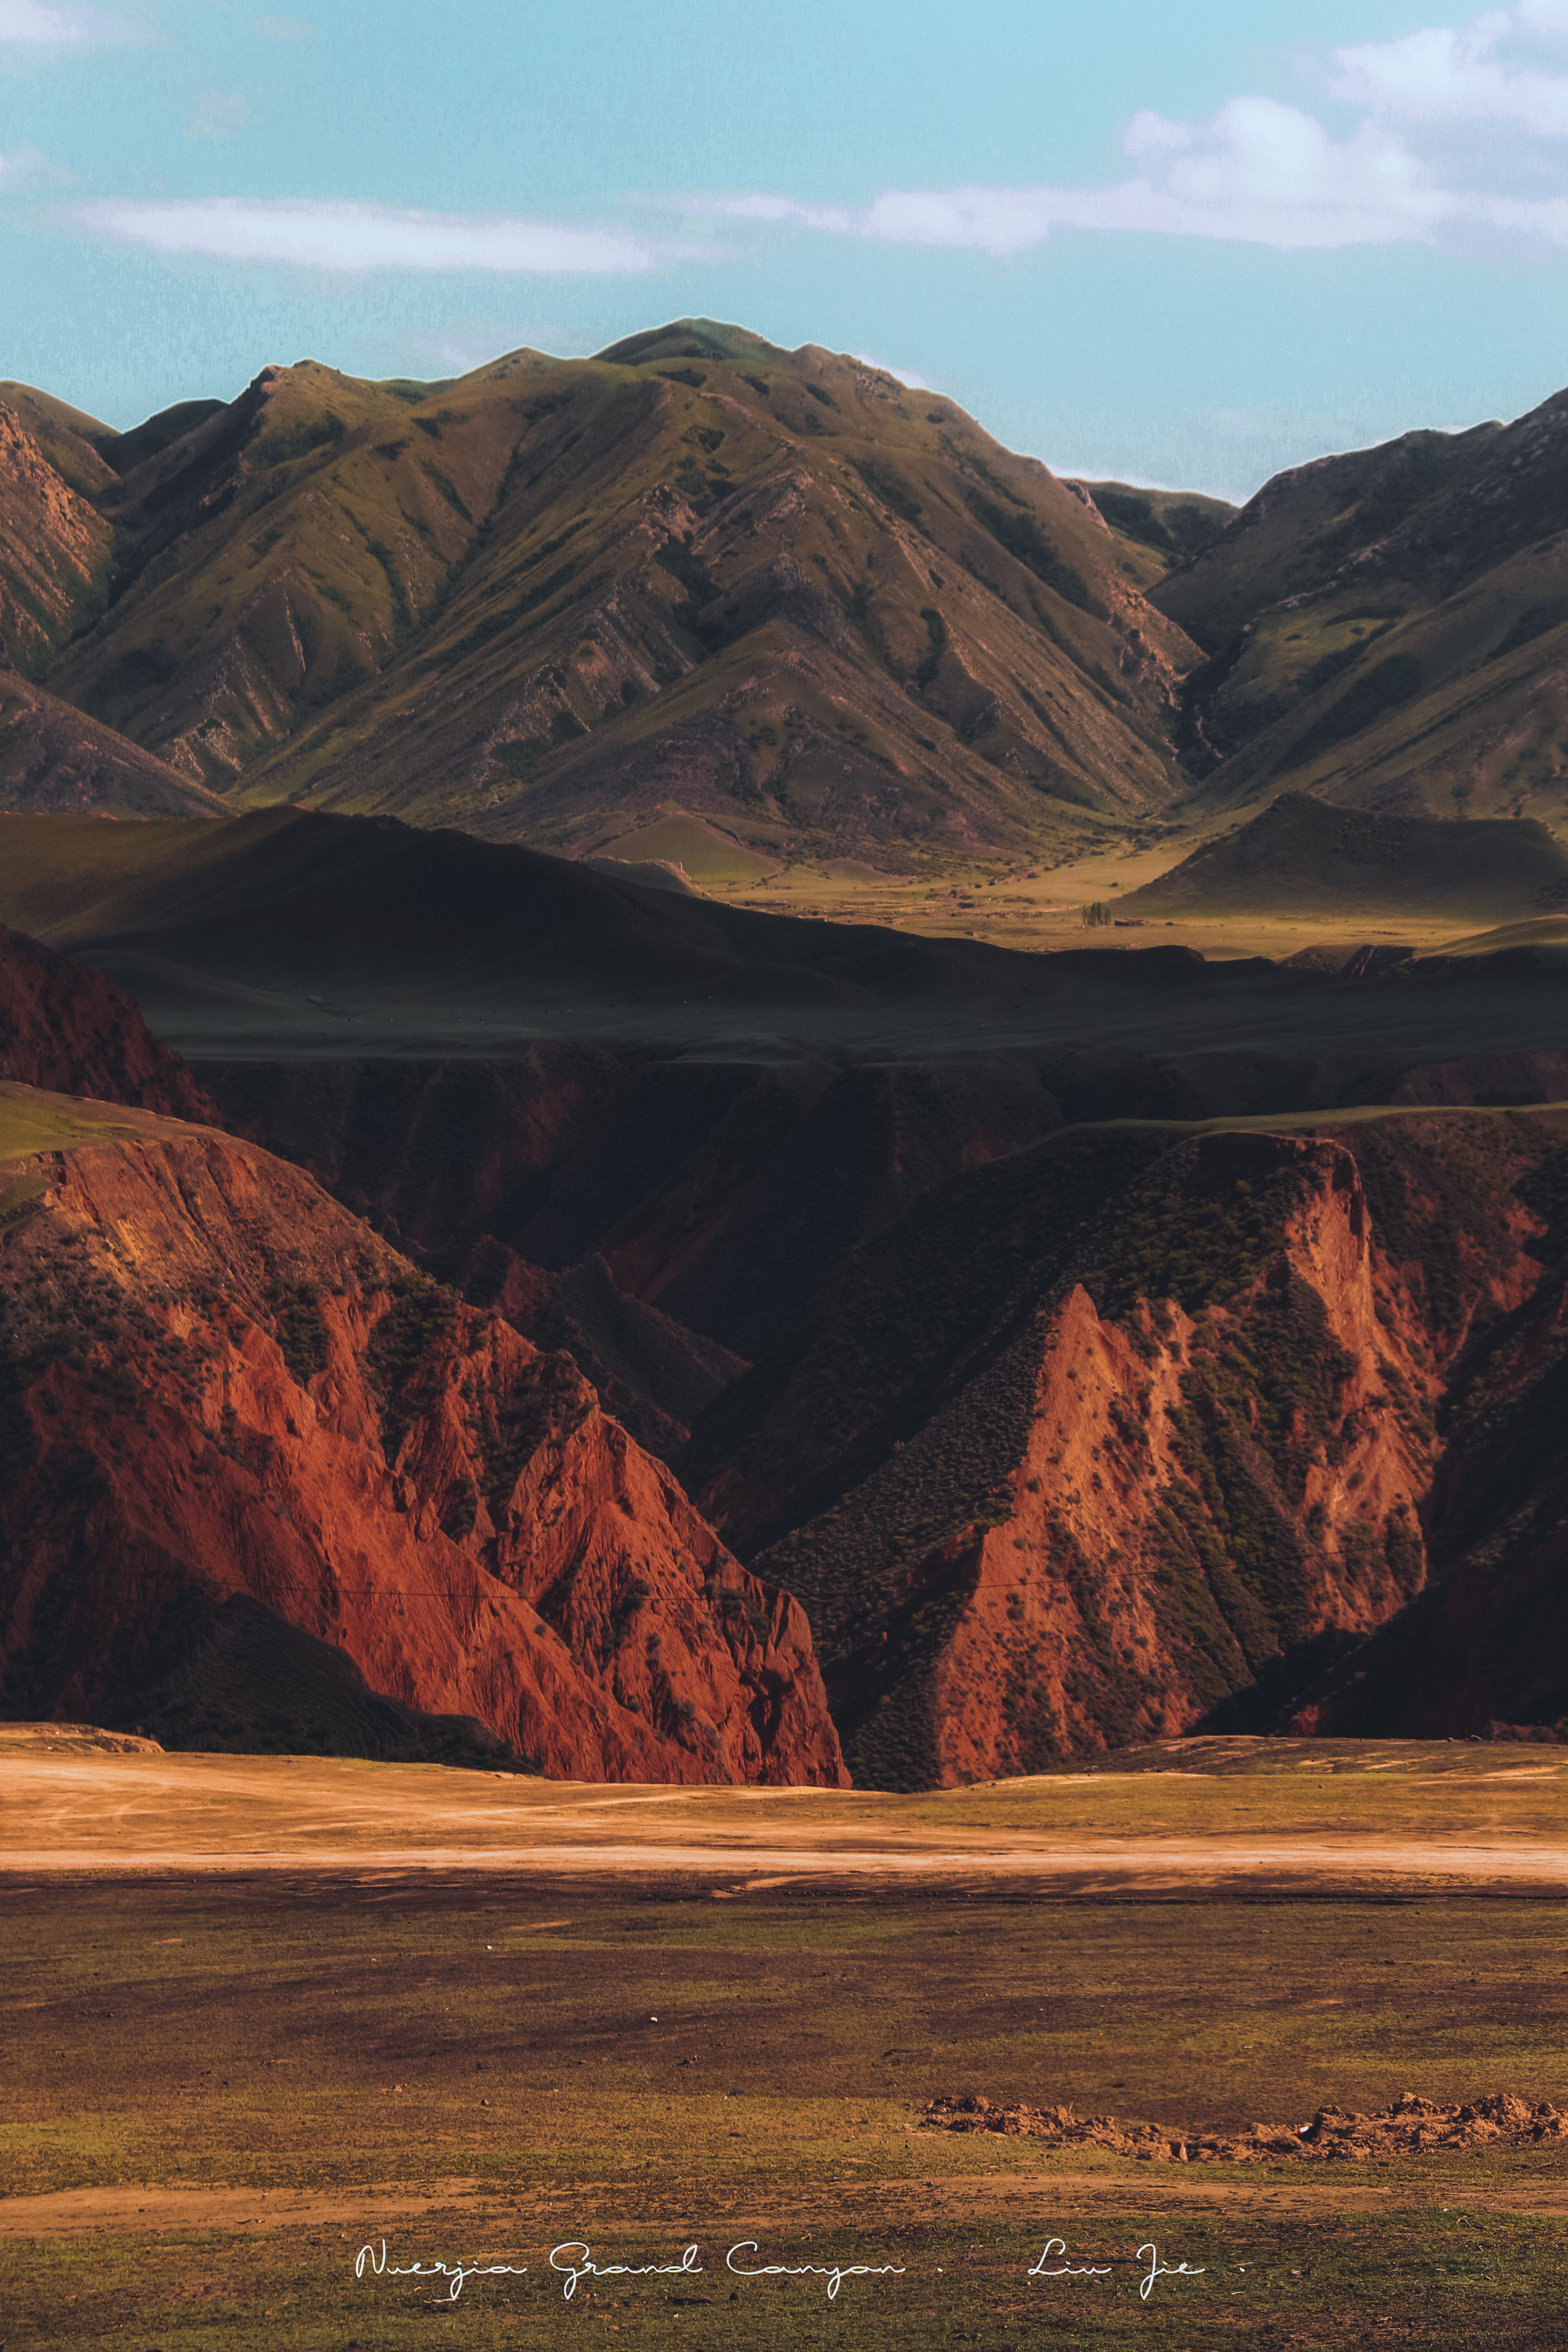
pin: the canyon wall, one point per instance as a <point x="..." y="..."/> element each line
<point x="219" y="1387"/>
<point x="1137" y="1433"/>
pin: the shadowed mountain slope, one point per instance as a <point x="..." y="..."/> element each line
<point x="1386" y="627"/>
<point x="553" y="598"/>
<point x="654" y="1373"/>
<point x="287" y="933"/>
<point x="1156" y="530"/>
<point x="1301" y="856"/>
<point x="66" y="1028"/>
<point x="723" y="1192"/>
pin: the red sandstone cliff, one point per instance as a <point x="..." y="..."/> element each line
<point x="1036" y="1503"/>
<point x="217" y="1384"/>
<point x="65" y="1027"/>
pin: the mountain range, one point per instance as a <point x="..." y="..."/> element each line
<point x="551" y="599"/>
<point x="776" y="593"/>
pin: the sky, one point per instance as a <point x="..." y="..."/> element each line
<point x="1184" y="244"/>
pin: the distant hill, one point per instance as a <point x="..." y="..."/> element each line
<point x="1157" y="528"/>
<point x="556" y="601"/>
<point x="1300" y="855"/>
<point x="1389" y="628"/>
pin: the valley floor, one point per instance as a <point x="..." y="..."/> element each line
<point x="1041" y="911"/>
<point x="485" y="2020"/>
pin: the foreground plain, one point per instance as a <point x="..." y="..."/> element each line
<point x="352" y="2017"/>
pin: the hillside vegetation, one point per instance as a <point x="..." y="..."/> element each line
<point x="702" y="598"/>
<point x="552" y="599"/>
<point x="1157" y="530"/>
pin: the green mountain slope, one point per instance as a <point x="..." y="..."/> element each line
<point x="71" y="440"/>
<point x="1388" y="628"/>
<point x="552" y="600"/>
<point x="698" y="581"/>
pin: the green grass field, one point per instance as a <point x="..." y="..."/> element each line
<point x="32" y="1121"/>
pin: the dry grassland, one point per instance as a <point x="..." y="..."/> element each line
<point x="259" y="2013"/>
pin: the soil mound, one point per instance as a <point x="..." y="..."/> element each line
<point x="72" y="1740"/>
<point x="1412" y="2127"/>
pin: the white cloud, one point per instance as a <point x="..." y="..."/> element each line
<point x="1451" y="74"/>
<point x="782" y="209"/>
<point x="353" y="238"/>
<point x="1459" y="143"/>
<point x="33" y="25"/>
<point x="1148" y="133"/>
<point x="28" y="167"/>
<point x="1260" y="173"/>
<point x="217" y="114"/>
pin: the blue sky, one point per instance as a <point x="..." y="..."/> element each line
<point x="1183" y="244"/>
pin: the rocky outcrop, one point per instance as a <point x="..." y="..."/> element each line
<point x="219" y="1388"/>
<point x="65" y="1027"/>
<point x="1127" y="1435"/>
<point x="1412" y="2127"/>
